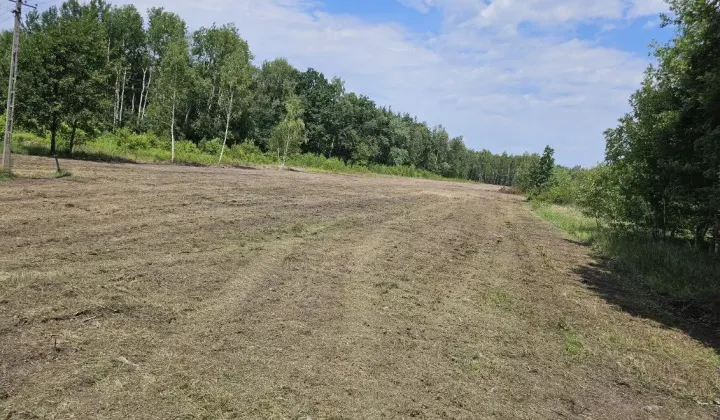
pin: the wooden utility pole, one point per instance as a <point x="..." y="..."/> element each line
<point x="10" y="111"/>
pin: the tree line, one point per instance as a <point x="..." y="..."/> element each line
<point x="95" y="67"/>
<point x="661" y="174"/>
<point x="662" y="169"/>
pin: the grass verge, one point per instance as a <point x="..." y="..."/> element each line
<point x="676" y="273"/>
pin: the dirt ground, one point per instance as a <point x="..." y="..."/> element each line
<point x="171" y="292"/>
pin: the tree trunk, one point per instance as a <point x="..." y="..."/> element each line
<point x="212" y="96"/>
<point x="72" y="137"/>
<point x="132" y="102"/>
<point x="700" y="233"/>
<point x="53" y="135"/>
<point x="142" y="93"/>
<point x="122" y="97"/>
<point x="287" y="145"/>
<point x="227" y="127"/>
<point x="172" y="129"/>
<point x="117" y="97"/>
<point x="147" y="93"/>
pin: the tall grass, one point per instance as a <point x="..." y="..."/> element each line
<point x="673" y="269"/>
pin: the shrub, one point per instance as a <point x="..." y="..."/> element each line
<point x="399" y="156"/>
<point x="210" y="147"/>
<point x="131" y="142"/>
<point x="184" y="147"/>
<point x="249" y="152"/>
<point x="309" y="160"/>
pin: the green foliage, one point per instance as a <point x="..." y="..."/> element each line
<point x="289" y="133"/>
<point x="570" y="219"/>
<point x="92" y="68"/>
<point x="248" y="152"/>
<point x="131" y="142"/>
<point x="399" y="156"/>
<point x="664" y="156"/>
<point x="541" y="174"/>
<point x="184" y="147"/>
<point x="210" y="147"/>
<point x="661" y="267"/>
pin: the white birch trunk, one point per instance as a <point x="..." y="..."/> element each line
<point x="122" y="97"/>
<point x="117" y="97"/>
<point x="172" y="129"/>
<point x="142" y="93"/>
<point x="212" y="96"/>
<point x="147" y="93"/>
<point x="227" y="127"/>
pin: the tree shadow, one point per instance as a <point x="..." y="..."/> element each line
<point x="40" y="150"/>
<point x="574" y="242"/>
<point x="700" y="319"/>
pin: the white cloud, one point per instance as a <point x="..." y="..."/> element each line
<point x="479" y="77"/>
<point x="651" y="24"/>
<point x="540" y="12"/>
<point x="642" y="8"/>
<point x="422" y="6"/>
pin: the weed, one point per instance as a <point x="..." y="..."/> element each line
<point x="571" y="340"/>
<point x="4" y="175"/>
<point x="499" y="299"/>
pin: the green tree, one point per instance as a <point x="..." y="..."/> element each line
<point x="666" y="152"/>
<point x="174" y="82"/>
<point x="541" y="174"/>
<point x="61" y="69"/>
<point x="164" y="29"/>
<point x="126" y="44"/>
<point x="289" y="133"/>
<point x="235" y="77"/>
<point x="274" y="84"/>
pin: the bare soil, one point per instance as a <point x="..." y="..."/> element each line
<point x="170" y="292"/>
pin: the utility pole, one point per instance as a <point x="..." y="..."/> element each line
<point x="10" y="111"/>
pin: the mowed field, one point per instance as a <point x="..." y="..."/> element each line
<point x="171" y="292"/>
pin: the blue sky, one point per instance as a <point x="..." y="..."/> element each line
<point x="508" y="75"/>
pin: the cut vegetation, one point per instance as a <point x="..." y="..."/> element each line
<point x="157" y="291"/>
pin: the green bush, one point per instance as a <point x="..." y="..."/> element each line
<point x="248" y="152"/>
<point x="210" y="147"/>
<point x="131" y="142"/>
<point x="309" y="160"/>
<point x="183" y="147"/>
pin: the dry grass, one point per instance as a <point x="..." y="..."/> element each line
<point x="133" y="291"/>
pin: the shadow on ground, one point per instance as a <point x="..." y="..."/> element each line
<point x="700" y="319"/>
<point x="39" y="150"/>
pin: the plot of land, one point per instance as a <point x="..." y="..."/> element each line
<point x="141" y="291"/>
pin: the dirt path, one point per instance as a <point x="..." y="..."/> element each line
<point x="132" y="291"/>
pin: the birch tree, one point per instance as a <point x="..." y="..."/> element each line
<point x="289" y="133"/>
<point x="235" y="79"/>
<point x="174" y="81"/>
<point x="164" y="28"/>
